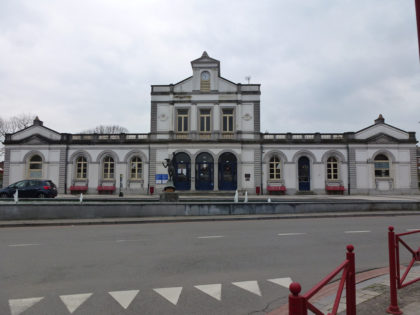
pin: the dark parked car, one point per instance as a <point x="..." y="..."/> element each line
<point x="30" y="188"/>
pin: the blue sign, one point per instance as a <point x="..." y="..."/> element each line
<point x="161" y="178"/>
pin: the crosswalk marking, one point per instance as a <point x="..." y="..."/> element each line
<point x="124" y="297"/>
<point x="214" y="290"/>
<point x="73" y="301"/>
<point x="18" y="306"/>
<point x="250" y="286"/>
<point x="284" y="282"/>
<point x="171" y="294"/>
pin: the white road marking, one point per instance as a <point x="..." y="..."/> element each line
<point x="290" y="234"/>
<point x="124" y="297"/>
<point x="72" y="302"/>
<point x="354" y="232"/>
<point x="22" y="245"/>
<point x="214" y="290"/>
<point x="284" y="282"/>
<point x="121" y="241"/>
<point x="171" y="294"/>
<point x="211" y="236"/>
<point x="18" y="306"/>
<point x="250" y="286"/>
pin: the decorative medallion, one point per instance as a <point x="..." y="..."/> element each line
<point x="247" y="117"/>
<point x="163" y="117"/>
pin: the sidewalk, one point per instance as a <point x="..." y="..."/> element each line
<point x="372" y="295"/>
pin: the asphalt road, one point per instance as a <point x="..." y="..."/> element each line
<point x="155" y="268"/>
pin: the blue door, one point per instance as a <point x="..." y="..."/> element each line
<point x="182" y="176"/>
<point x="227" y="172"/>
<point x="204" y="172"/>
<point x="304" y="174"/>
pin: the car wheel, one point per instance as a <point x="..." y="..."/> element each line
<point x="4" y="195"/>
<point x="41" y="195"/>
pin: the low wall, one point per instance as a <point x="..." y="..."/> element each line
<point x="72" y="210"/>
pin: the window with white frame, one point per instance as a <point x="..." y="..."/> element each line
<point x="108" y="168"/>
<point x="136" y="168"/>
<point x="35" y="167"/>
<point x="205" y="81"/>
<point x="205" y="119"/>
<point x="81" y="168"/>
<point x="332" y="168"/>
<point x="274" y="168"/>
<point x="182" y="120"/>
<point x="381" y="166"/>
<point x="227" y="120"/>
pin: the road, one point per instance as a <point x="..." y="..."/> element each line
<point x="215" y="267"/>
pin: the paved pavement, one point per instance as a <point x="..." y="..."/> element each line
<point x="372" y="295"/>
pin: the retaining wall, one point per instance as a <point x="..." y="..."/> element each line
<point x="72" y="210"/>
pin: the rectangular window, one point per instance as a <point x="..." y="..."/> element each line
<point x="205" y="117"/>
<point x="182" y="120"/>
<point x="227" y="120"/>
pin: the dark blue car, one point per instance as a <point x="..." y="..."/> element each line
<point x="30" y="188"/>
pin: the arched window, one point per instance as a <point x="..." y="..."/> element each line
<point x="381" y="166"/>
<point x="108" y="168"/>
<point x="205" y="81"/>
<point x="81" y="168"/>
<point x="136" y="168"/>
<point x="275" y="168"/>
<point x="35" y="167"/>
<point x="332" y="168"/>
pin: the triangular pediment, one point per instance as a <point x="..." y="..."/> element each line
<point x="205" y="59"/>
<point x="382" y="139"/>
<point x="34" y="130"/>
<point x="382" y="129"/>
<point x="35" y="139"/>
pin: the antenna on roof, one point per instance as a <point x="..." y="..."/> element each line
<point x="248" y="78"/>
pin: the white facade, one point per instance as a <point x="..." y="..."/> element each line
<point x="210" y="127"/>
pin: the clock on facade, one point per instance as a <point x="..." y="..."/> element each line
<point x="205" y="76"/>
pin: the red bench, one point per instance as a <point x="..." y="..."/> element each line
<point x="280" y="189"/>
<point x="78" y="189"/>
<point x="106" y="189"/>
<point x="335" y="189"/>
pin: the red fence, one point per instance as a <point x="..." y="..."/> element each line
<point x="395" y="279"/>
<point x="299" y="304"/>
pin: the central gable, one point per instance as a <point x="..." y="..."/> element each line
<point x="381" y="128"/>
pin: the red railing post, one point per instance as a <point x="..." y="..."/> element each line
<point x="393" y="307"/>
<point x="297" y="303"/>
<point x="351" y="282"/>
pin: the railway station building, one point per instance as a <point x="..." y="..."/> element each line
<point x="210" y="128"/>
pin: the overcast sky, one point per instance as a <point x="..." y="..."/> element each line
<point x="323" y="65"/>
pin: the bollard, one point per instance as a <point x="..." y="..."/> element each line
<point x="351" y="282"/>
<point x="297" y="303"/>
<point x="393" y="307"/>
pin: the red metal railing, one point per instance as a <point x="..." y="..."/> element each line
<point x="299" y="304"/>
<point x="395" y="279"/>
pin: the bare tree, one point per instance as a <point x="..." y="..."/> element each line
<point x="111" y="129"/>
<point x="12" y="125"/>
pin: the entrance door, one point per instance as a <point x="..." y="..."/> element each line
<point x="227" y="172"/>
<point x="204" y="172"/>
<point x="304" y="174"/>
<point x="182" y="176"/>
